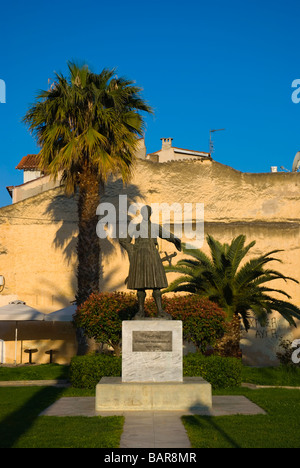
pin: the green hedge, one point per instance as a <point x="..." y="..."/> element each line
<point x="220" y="372"/>
<point x="86" y="371"/>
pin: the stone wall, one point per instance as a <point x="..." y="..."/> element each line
<point x="39" y="233"/>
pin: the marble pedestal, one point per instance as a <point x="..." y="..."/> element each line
<point x="152" y="377"/>
<point x="152" y="351"/>
<point x="192" y="394"/>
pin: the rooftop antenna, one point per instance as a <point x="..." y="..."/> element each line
<point x="211" y="143"/>
<point x="284" y="169"/>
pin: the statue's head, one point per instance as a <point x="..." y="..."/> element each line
<point x="146" y="212"/>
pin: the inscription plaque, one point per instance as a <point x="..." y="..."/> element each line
<point x="151" y="341"/>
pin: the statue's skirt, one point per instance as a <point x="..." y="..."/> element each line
<point x="146" y="269"/>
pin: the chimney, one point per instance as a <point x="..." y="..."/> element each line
<point x="166" y="143"/>
<point x="141" y="149"/>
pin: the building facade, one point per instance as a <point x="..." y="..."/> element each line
<point x="38" y="233"/>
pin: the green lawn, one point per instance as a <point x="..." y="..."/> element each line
<point x="279" y="428"/>
<point x="22" y="427"/>
<point x="279" y="376"/>
<point x="32" y="372"/>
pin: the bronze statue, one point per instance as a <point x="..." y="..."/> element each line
<point x="146" y="270"/>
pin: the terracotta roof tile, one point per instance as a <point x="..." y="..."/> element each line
<point x="29" y="162"/>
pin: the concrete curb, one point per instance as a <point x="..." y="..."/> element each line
<point x="255" y="387"/>
<point x="33" y="383"/>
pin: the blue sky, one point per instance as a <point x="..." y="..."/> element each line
<point x="202" y="65"/>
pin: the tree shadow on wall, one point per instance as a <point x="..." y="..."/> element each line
<point x="63" y="212"/>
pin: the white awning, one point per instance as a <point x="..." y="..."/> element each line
<point x="18" y="311"/>
<point x="62" y="315"/>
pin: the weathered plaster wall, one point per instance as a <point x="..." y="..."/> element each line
<point x="39" y="233"/>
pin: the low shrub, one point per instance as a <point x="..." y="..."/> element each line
<point x="86" y="371"/>
<point x="220" y="372"/>
<point x="102" y="314"/>
<point x="203" y="321"/>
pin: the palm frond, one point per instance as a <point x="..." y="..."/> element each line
<point x="236" y="289"/>
<point x="237" y="252"/>
<point x="88" y="118"/>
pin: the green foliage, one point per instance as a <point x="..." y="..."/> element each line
<point x="87" y="126"/>
<point x="203" y="320"/>
<point x="237" y="289"/>
<point x="87" y="120"/>
<point x="86" y="371"/>
<point x="101" y="316"/>
<point x="219" y="371"/>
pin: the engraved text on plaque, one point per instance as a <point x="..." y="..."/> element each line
<point x="151" y="341"/>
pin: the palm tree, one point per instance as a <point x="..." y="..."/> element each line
<point x="236" y="288"/>
<point x="87" y="126"/>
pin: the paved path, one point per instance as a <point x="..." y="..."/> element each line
<point x="85" y="406"/>
<point x="152" y="429"/>
<point x="144" y="429"/>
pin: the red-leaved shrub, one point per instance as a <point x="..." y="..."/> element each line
<point x="102" y="314"/>
<point x="203" y="320"/>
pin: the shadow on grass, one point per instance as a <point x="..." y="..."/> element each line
<point x="26" y="403"/>
<point x="203" y="423"/>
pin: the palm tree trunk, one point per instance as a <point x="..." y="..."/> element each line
<point x="229" y="345"/>
<point x="88" y="245"/>
<point x="236" y="335"/>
